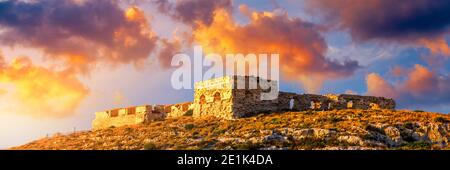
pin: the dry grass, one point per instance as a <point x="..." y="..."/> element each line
<point x="213" y="133"/>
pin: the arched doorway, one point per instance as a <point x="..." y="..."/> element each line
<point x="217" y="97"/>
<point x="201" y="102"/>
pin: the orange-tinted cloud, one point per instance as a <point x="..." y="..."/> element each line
<point x="299" y="44"/>
<point x="437" y="46"/>
<point x="39" y="92"/>
<point x="421" y="87"/>
<point x="78" y="33"/>
<point x="377" y="86"/>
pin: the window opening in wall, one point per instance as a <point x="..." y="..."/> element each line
<point x="114" y="113"/>
<point x="350" y="104"/>
<point x="131" y="111"/>
<point x="217" y="97"/>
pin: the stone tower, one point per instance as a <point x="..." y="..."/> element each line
<point x="223" y="97"/>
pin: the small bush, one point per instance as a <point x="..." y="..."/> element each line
<point x="421" y="145"/>
<point x="309" y="112"/>
<point x="188" y="113"/>
<point x="275" y="121"/>
<point x="189" y="126"/>
<point x="247" y="146"/>
<point x="441" y="120"/>
<point x="335" y="119"/>
<point x="309" y="143"/>
<point x="218" y="132"/>
<point x="409" y="125"/>
<point x="372" y="128"/>
<point x="150" y="146"/>
<point x="418" y="111"/>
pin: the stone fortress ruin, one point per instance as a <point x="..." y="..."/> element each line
<point x="221" y="97"/>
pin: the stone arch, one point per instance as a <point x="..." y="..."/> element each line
<point x="217" y="97"/>
<point x="202" y="100"/>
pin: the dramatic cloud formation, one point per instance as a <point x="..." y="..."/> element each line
<point x="300" y="46"/>
<point x="78" y="33"/>
<point x="387" y="19"/>
<point x="422" y="87"/>
<point x="38" y="91"/>
<point x="193" y="12"/>
<point x="419" y="21"/>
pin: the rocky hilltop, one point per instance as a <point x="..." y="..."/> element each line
<point x="340" y="129"/>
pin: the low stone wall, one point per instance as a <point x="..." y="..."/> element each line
<point x="330" y="102"/>
<point x="313" y="102"/>
<point x="126" y="116"/>
<point x="179" y="109"/>
<point x="368" y="102"/>
<point x="248" y="103"/>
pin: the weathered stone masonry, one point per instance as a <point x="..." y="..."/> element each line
<point x="220" y="97"/>
<point x="226" y="101"/>
<point x="127" y="116"/>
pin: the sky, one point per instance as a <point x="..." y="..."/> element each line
<point x="62" y="60"/>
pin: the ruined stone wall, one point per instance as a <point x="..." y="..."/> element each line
<point x="286" y="102"/>
<point x="365" y="102"/>
<point x="125" y="116"/>
<point x="301" y="102"/>
<point x="179" y="109"/>
<point x="213" y="98"/>
<point x="249" y="101"/>
<point x="223" y="97"/>
<point x="343" y="101"/>
<point x="313" y="102"/>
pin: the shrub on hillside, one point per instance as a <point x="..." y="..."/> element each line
<point x="189" y="126"/>
<point x="150" y="146"/>
<point x="441" y="120"/>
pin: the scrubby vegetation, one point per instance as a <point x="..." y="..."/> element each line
<point x="342" y="129"/>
